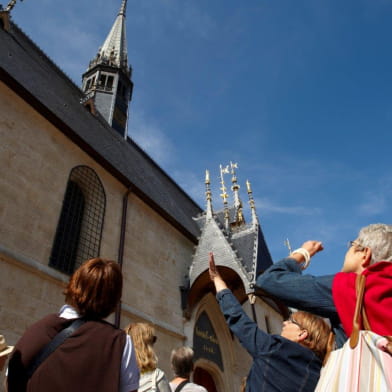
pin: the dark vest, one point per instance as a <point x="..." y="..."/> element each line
<point x="89" y="360"/>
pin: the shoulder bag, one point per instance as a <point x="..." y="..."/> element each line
<point x="363" y="364"/>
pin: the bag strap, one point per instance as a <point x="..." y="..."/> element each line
<point x="52" y="345"/>
<point x="181" y="385"/>
<point x="360" y="283"/>
<point x="360" y="312"/>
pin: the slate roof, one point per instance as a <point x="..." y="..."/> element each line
<point x="244" y="249"/>
<point x="252" y="249"/>
<point x="249" y="242"/>
<point x="27" y="70"/>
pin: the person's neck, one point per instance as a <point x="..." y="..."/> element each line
<point x="177" y="380"/>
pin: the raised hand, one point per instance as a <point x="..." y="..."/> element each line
<point x="215" y="275"/>
<point x="213" y="271"/>
<point x="313" y="247"/>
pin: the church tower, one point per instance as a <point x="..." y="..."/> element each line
<point x="107" y="82"/>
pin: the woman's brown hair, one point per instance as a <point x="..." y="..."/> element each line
<point x="143" y="338"/>
<point x="320" y="338"/>
<point x="95" y="288"/>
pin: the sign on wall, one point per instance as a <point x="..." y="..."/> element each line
<point x="205" y="341"/>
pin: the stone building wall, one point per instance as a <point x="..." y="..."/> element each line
<point x="36" y="161"/>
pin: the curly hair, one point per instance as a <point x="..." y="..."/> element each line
<point x="143" y="338"/>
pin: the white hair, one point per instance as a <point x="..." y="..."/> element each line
<point x="377" y="237"/>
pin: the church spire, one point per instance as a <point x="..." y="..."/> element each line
<point x="114" y="49"/>
<point x="107" y="82"/>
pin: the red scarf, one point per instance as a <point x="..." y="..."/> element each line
<point x="377" y="297"/>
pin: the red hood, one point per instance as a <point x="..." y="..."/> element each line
<point x="377" y="298"/>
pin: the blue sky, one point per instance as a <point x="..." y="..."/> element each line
<point x="298" y="93"/>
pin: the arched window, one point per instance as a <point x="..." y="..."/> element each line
<point x="79" y="231"/>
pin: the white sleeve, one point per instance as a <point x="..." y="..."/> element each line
<point x="129" y="377"/>
<point x="162" y="382"/>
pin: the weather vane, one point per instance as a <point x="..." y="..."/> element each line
<point x="233" y="166"/>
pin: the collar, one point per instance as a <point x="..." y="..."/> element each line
<point x="68" y="312"/>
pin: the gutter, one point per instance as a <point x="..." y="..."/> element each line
<point x="121" y="246"/>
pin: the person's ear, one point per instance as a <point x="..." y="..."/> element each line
<point x="303" y="335"/>
<point x="367" y="257"/>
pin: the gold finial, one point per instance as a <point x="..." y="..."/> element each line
<point x="248" y="186"/>
<point x="223" y="170"/>
<point x="251" y="200"/>
<point x="207" y="177"/>
<point x="287" y="244"/>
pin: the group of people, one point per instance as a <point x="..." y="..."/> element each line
<point x="77" y="350"/>
<point x="88" y="353"/>
<point x="292" y="360"/>
<point x="151" y="377"/>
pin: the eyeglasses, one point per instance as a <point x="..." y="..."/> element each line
<point x="353" y="243"/>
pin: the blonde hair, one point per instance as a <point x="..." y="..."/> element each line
<point x="320" y="339"/>
<point x="143" y="338"/>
